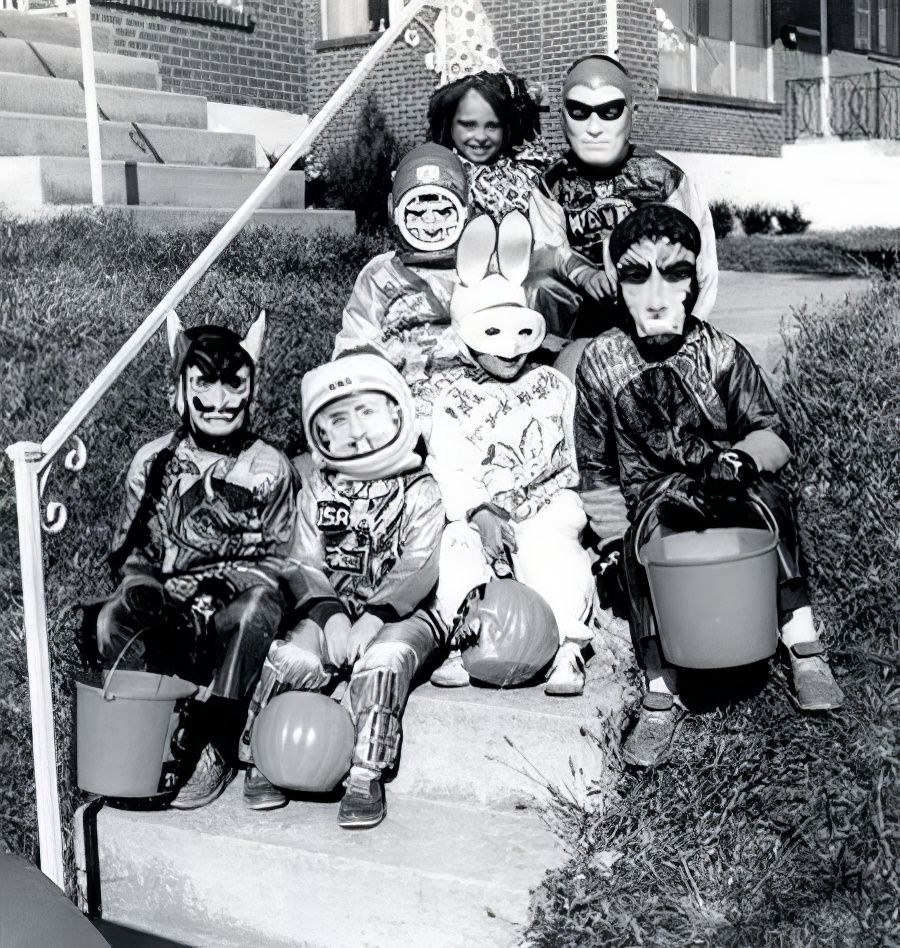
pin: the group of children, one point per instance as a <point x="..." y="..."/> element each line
<point x="445" y="451"/>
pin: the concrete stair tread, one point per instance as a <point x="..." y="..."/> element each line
<point x="59" y="30"/>
<point x="34" y="180"/>
<point x="44" y="95"/>
<point x="65" y="62"/>
<point x="22" y="134"/>
<point x="430" y="874"/>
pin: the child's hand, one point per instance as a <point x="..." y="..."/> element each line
<point x="729" y="473"/>
<point x="498" y="536"/>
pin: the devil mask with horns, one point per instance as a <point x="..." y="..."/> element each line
<point x="213" y="375"/>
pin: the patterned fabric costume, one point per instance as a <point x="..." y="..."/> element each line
<point x="375" y="545"/>
<point x="213" y="547"/>
<point x="650" y="426"/>
<point x="505" y="186"/>
<point x="510" y="443"/>
<point x="575" y="207"/>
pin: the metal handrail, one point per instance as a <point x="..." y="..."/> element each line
<point x="30" y="459"/>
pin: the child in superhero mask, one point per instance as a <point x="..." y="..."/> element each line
<point x="595" y="185"/>
<point x="491" y="122"/>
<point x="679" y="416"/>
<point x="501" y="448"/>
<point x="400" y="304"/>
<point x="207" y="523"/>
<point x="369" y="526"/>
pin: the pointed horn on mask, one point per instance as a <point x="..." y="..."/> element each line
<point x="253" y="341"/>
<point x="174" y="330"/>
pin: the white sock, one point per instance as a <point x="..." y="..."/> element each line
<point x="661" y="677"/>
<point x="799" y="628"/>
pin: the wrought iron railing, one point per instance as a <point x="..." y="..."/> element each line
<point x="861" y="106"/>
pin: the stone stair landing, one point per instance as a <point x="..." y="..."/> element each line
<point x="185" y="174"/>
<point x="452" y="866"/>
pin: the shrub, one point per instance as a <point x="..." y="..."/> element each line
<point x="73" y="289"/>
<point x="756" y="219"/>
<point x="791" y="221"/>
<point x="357" y="176"/>
<point x="722" y="217"/>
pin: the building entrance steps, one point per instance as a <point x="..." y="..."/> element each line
<point x="464" y="842"/>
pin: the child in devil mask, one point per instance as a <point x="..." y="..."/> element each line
<point x="679" y="417"/>
<point x="208" y="515"/>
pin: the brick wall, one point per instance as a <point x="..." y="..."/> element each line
<point x="709" y="128"/>
<point x="265" y="67"/>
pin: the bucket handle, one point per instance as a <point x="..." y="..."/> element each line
<point x="754" y="501"/>
<point x="115" y="665"/>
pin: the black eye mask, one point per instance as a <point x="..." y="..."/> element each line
<point x="605" y="111"/>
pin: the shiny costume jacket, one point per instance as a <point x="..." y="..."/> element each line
<point x="650" y="425"/>
<point x="374" y="543"/>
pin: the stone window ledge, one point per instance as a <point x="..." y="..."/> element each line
<point x="342" y="42"/>
<point x="678" y="97"/>
<point x="198" y="11"/>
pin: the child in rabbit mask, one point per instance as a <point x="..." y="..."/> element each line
<point x="501" y="448"/>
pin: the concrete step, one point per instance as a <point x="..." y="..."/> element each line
<point x="65" y="63"/>
<point x="32" y="181"/>
<point x="59" y="30"/>
<point x="432" y="874"/>
<point x="506" y="749"/>
<point x="41" y="95"/>
<point x="55" y="135"/>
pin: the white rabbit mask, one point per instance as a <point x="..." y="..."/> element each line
<point x="490" y="313"/>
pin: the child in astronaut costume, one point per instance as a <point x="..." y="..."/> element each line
<point x="369" y="525"/>
<point x="501" y="448"/>
<point x="400" y="304"/>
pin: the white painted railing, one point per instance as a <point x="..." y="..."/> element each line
<point x="31" y="461"/>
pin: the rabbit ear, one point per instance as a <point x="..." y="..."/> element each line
<point x="514" y="247"/>
<point x="475" y="249"/>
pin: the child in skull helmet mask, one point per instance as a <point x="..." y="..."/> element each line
<point x="595" y="185"/>
<point x="501" y="448"/>
<point x="679" y="416"/>
<point x="400" y="304"/>
<point x="201" y="550"/>
<point x="369" y="526"/>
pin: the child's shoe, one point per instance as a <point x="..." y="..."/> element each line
<point x="363" y="804"/>
<point x="650" y="741"/>
<point x="452" y="674"/>
<point x="260" y="793"/>
<point x="211" y="776"/>
<point x="567" y="674"/>
<point x="814" y="686"/>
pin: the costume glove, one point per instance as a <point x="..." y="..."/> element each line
<point x="728" y="473"/>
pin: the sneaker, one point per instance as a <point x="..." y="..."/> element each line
<point x="650" y="741"/>
<point x="363" y="803"/>
<point x="452" y="674"/>
<point x="260" y="793"/>
<point x="567" y="674"/>
<point x="207" y="783"/>
<point x="814" y="686"/>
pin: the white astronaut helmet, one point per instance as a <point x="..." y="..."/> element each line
<point x="359" y="418"/>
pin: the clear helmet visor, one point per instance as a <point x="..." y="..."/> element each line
<point x="356" y="425"/>
<point x="430" y="217"/>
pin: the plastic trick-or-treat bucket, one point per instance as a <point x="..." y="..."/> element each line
<point x="714" y="592"/>
<point x="124" y="731"/>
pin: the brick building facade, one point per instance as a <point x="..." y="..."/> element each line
<point x="709" y="74"/>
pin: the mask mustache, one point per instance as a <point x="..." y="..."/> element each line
<point x="228" y="412"/>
